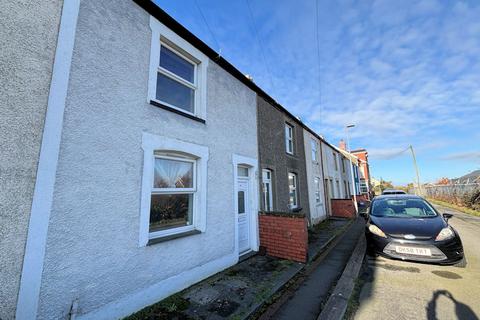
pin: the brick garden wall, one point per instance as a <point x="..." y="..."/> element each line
<point x="343" y="208"/>
<point x="284" y="236"/>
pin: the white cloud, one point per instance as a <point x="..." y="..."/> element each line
<point x="463" y="156"/>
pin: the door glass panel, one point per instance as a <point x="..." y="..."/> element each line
<point x="241" y="201"/>
<point x="242" y="172"/>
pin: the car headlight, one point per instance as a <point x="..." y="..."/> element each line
<point x="445" y="234"/>
<point x="376" y="230"/>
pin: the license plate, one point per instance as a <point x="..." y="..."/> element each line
<point x="413" y="250"/>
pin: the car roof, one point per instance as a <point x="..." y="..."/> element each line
<point x="397" y="196"/>
<point x="393" y="190"/>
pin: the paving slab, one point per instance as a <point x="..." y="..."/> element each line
<point x="307" y="301"/>
<point x="241" y="290"/>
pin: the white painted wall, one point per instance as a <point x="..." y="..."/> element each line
<point x="92" y="252"/>
<point x="314" y="169"/>
<point x="28" y="38"/>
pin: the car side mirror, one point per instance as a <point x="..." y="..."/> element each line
<point x="447" y="216"/>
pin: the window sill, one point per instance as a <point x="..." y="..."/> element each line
<point x="172" y="236"/>
<point x="161" y="105"/>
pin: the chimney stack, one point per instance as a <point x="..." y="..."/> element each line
<point x="342" y="145"/>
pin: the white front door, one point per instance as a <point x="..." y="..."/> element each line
<point x="243" y="214"/>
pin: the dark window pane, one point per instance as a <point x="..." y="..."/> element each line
<point x="170" y="211"/>
<point x="241" y="202"/>
<point x="176" y="64"/>
<point x="174" y="93"/>
<point x="172" y="174"/>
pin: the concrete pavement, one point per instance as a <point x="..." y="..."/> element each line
<point x="308" y="298"/>
<point x="404" y="290"/>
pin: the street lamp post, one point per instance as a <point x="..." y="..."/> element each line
<point x="351" y="167"/>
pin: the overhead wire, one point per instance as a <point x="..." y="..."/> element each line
<point x="209" y="29"/>
<point x="319" y="80"/>
<point x="255" y="32"/>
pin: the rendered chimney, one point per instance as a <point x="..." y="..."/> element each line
<point x="342" y="145"/>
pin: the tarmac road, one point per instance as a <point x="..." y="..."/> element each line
<point x="404" y="290"/>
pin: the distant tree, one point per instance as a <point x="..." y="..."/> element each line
<point x="443" y="181"/>
<point x="382" y="186"/>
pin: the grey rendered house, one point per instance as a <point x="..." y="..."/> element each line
<point x="315" y="178"/>
<point x="282" y="160"/>
<point x="26" y="64"/>
<point x="139" y="193"/>
<point x="336" y="170"/>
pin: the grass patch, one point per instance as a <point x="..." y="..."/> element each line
<point x="322" y="225"/>
<point x="354" y="300"/>
<point x="456" y="207"/>
<point x="169" y="308"/>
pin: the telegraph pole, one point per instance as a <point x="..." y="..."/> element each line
<point x="354" y="186"/>
<point x="416" y="170"/>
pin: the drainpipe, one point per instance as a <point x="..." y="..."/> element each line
<point x="351" y="169"/>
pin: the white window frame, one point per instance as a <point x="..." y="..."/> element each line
<point x="317" y="189"/>
<point x="335" y="161"/>
<point x="199" y="154"/>
<point x="168" y="155"/>
<point x="314" y="146"/>
<point x="289" y="148"/>
<point x="162" y="36"/>
<point x="363" y="186"/>
<point x="267" y="181"/>
<point x="294" y="188"/>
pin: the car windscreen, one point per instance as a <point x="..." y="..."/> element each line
<point x="402" y="208"/>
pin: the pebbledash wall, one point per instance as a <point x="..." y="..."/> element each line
<point x="273" y="156"/>
<point x="93" y="256"/>
<point x="28" y="39"/>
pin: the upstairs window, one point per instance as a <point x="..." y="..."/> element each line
<point x="314" y="145"/>
<point x="335" y="161"/>
<point x="289" y="138"/>
<point x="176" y="80"/>
<point x="343" y="165"/>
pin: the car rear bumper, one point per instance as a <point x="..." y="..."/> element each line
<point x="442" y="252"/>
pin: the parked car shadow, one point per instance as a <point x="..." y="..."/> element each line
<point x="461" y="310"/>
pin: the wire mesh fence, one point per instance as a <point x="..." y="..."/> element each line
<point x="453" y="193"/>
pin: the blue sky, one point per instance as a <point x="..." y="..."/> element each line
<point x="405" y="72"/>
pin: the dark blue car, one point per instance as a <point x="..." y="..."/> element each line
<point x="407" y="227"/>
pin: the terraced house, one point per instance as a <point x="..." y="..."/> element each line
<point x="147" y="164"/>
<point x="140" y="192"/>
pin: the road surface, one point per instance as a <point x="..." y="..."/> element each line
<point x="405" y="290"/>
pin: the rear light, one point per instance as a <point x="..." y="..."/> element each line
<point x="445" y="234"/>
<point x="376" y="230"/>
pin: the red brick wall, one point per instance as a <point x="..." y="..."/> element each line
<point x="284" y="236"/>
<point x="343" y="208"/>
<point x="362" y="197"/>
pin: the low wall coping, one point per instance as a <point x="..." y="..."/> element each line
<point x="282" y="214"/>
